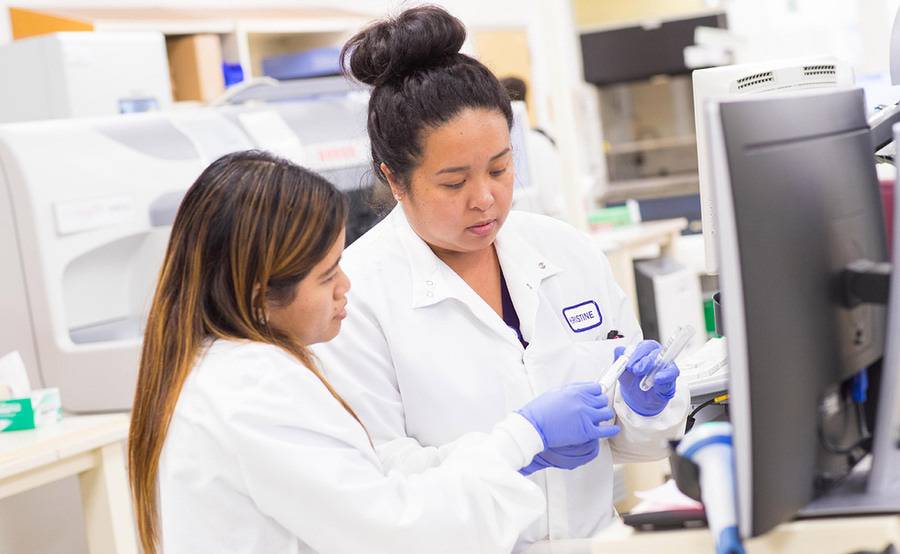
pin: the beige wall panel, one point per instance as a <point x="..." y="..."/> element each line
<point x="506" y="53"/>
<point x="605" y="12"/>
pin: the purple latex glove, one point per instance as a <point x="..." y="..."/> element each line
<point x="652" y="402"/>
<point x="570" y="415"/>
<point x="568" y="457"/>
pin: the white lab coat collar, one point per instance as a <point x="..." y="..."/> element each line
<point x="520" y="260"/>
<point x="524" y="269"/>
<point x="428" y="273"/>
<point x="433" y="281"/>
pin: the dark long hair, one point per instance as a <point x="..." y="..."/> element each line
<point x="249" y="229"/>
<point x="420" y="80"/>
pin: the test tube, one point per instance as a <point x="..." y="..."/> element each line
<point x="614" y="371"/>
<point x="667" y="353"/>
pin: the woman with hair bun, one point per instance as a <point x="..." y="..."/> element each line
<point x="463" y="309"/>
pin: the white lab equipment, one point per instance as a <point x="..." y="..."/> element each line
<point x="709" y="446"/>
<point x="80" y="74"/>
<point x="705" y="370"/>
<point x="85" y="212"/>
<point x="669" y="297"/>
<point x="752" y="78"/>
<point x="88" y="203"/>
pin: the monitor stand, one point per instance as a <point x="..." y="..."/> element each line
<point x="854" y="496"/>
<point x="873" y="487"/>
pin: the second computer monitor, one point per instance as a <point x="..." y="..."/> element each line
<point x="797" y="200"/>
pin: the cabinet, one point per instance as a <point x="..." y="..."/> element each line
<point x="649" y="138"/>
<point x="643" y="95"/>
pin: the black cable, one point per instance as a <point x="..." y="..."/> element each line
<point x="689" y="423"/>
<point x="701" y="406"/>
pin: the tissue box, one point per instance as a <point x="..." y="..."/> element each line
<point x="41" y="408"/>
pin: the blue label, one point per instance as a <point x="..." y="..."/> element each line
<point x="584" y="316"/>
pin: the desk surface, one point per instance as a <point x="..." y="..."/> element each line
<point x="639" y="234"/>
<point x="822" y="536"/>
<point x="23" y="450"/>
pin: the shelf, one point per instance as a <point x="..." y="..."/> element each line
<point x="247" y="35"/>
<point x="650" y="144"/>
<point x="671" y="185"/>
<point x="28" y="22"/>
<point x="261" y="45"/>
<point x="199" y="41"/>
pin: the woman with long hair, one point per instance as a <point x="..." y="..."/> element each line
<point x="238" y="441"/>
<point x="463" y="301"/>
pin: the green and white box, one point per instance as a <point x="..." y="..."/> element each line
<point x="42" y="407"/>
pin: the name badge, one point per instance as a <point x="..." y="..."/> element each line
<point x="584" y="316"/>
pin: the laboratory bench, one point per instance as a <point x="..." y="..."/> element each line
<point x="91" y="447"/>
<point x="623" y="244"/>
<point x="820" y="536"/>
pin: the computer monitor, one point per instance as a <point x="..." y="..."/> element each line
<point x="797" y="200"/>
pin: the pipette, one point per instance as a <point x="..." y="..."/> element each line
<point x="667" y="353"/>
<point x="614" y="371"/>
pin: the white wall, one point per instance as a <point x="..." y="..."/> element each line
<point x="856" y="31"/>
<point x="472" y="12"/>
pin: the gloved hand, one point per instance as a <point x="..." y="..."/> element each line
<point x="567" y="457"/>
<point x="652" y="402"/>
<point x="570" y="415"/>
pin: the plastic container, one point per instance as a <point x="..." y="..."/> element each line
<point x="318" y="62"/>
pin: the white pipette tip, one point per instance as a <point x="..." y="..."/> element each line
<point x="667" y="353"/>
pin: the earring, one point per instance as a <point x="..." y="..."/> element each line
<point x="397" y="197"/>
<point x="261" y="317"/>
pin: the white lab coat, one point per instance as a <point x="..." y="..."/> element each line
<point x="260" y="458"/>
<point x="545" y="170"/>
<point x="424" y="360"/>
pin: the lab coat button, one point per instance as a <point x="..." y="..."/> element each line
<point x="429" y="283"/>
<point x="429" y="294"/>
<point x="528" y="285"/>
<point x="542" y="265"/>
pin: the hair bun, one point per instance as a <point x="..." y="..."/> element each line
<point x="393" y="48"/>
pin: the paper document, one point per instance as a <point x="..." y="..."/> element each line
<point x="13" y="377"/>
<point x="666" y="497"/>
